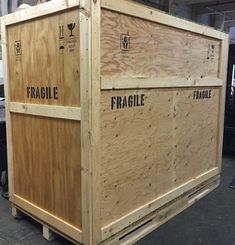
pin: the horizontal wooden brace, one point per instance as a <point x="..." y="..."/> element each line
<point x="144" y="210"/>
<point x="38" y="11"/>
<point x="71" y="113"/>
<point x="139" y="11"/>
<point x="48" y="218"/>
<point x="108" y="83"/>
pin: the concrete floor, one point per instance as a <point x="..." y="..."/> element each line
<point x="211" y="221"/>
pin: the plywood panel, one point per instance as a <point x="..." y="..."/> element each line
<point x="44" y="60"/>
<point x="148" y="150"/>
<point x="126" y="157"/>
<point x="47" y="165"/>
<point x="154" y="50"/>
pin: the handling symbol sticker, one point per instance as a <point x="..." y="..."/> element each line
<point x="72" y="40"/>
<point x="61" y="32"/>
<point x="71" y="26"/>
<point x="125" y="42"/>
<point x="61" y="37"/>
<point x="211" y="52"/>
<point x="67" y="38"/>
<point x="61" y="45"/>
<point x="18" y="48"/>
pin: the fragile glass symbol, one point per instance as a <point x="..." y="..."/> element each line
<point x="71" y="26"/>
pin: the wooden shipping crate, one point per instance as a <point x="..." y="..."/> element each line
<point x="114" y="116"/>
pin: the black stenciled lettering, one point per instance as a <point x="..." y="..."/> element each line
<point x="138" y="100"/>
<point x="33" y="93"/>
<point x="47" y="93"/>
<point x="204" y="94"/>
<point x="28" y="92"/>
<point x="201" y="94"/>
<point x="37" y="93"/>
<point x="135" y="100"/>
<point x="113" y="101"/>
<point x="43" y="93"/>
<point x="55" y="93"/>
<point x="209" y="94"/>
<point x="142" y="100"/>
<point x="124" y="102"/>
<point x="50" y="96"/>
<point x="130" y="101"/>
<point x="119" y="102"/>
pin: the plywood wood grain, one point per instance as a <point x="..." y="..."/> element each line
<point x="47" y="165"/>
<point x="36" y="60"/>
<point x="154" y="50"/>
<point x="149" y="150"/>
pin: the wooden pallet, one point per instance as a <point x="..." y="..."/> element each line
<point x="144" y="226"/>
<point x="48" y="232"/>
<point x="152" y="221"/>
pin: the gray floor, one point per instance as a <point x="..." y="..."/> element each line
<point x="211" y="221"/>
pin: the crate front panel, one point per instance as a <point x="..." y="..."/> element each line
<point x="47" y="164"/>
<point x="44" y="60"/>
<point x="133" y="47"/>
<point x="152" y="141"/>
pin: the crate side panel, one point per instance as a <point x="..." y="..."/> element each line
<point x="151" y="149"/>
<point x="133" y="47"/>
<point x="44" y="60"/>
<point x="47" y="165"/>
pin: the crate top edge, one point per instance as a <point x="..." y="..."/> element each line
<point x="128" y="7"/>
<point x="138" y="10"/>
<point x="37" y="11"/>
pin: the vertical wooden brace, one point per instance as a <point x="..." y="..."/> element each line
<point x="223" y="76"/>
<point x="95" y="81"/>
<point x="90" y="119"/>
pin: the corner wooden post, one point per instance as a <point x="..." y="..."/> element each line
<point x="7" y="110"/>
<point x="90" y="119"/>
<point x="223" y="76"/>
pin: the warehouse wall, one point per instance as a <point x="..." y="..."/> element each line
<point x="8" y="6"/>
<point x="30" y="2"/>
<point x="181" y="10"/>
<point x="232" y="35"/>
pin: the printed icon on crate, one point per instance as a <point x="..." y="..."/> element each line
<point x="18" y="48"/>
<point x="125" y="42"/>
<point x="67" y="38"/>
<point x="61" y="32"/>
<point x="61" y="37"/>
<point x="211" y="52"/>
<point x="61" y="44"/>
<point x="71" y="26"/>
